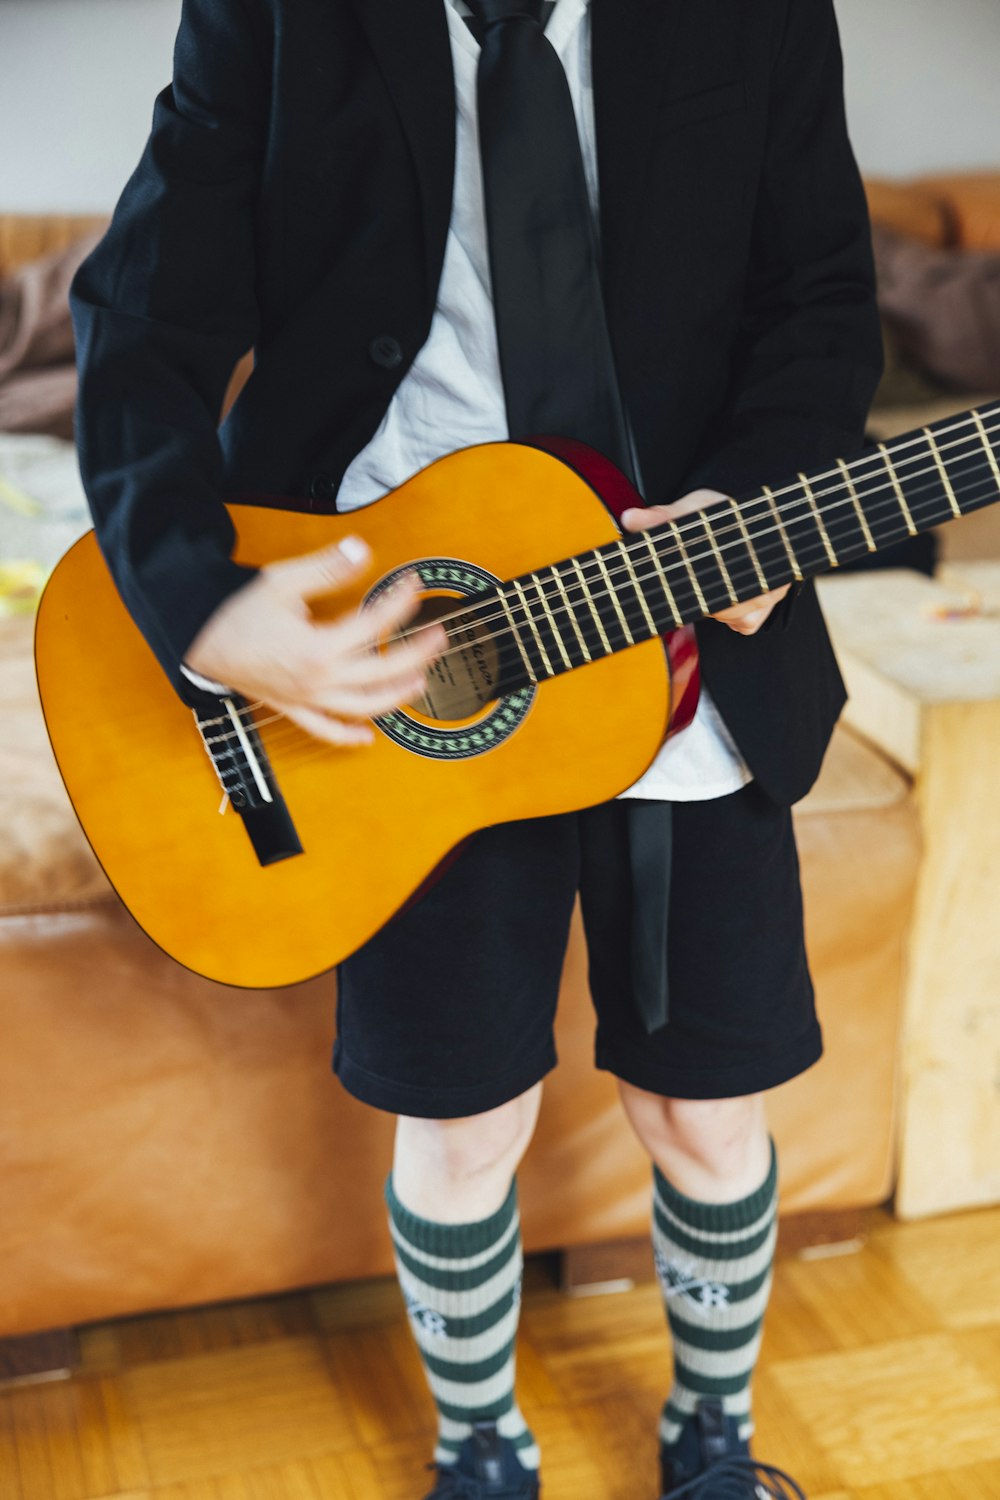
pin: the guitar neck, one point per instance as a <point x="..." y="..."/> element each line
<point x="630" y="590"/>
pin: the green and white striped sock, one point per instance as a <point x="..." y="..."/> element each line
<point x="714" y="1263"/>
<point x="462" y="1284"/>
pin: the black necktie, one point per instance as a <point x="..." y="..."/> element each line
<point x="555" y="353"/>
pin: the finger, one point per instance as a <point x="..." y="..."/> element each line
<point x="745" y="619"/>
<point x="369" y="703"/>
<point x="748" y="624"/>
<point x="641" y="518"/>
<point x="366" y="662"/>
<point x="322" y="572"/>
<point x="425" y="641"/>
<point x="760" y="605"/>
<point x="321" y="727"/>
<point x="393" y="609"/>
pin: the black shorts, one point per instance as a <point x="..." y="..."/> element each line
<point x="448" y="1011"/>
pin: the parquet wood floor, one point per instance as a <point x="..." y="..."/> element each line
<point x="880" y="1380"/>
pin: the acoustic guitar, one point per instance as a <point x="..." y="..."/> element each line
<point x="569" y="658"/>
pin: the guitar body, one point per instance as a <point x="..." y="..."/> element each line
<point x="373" y="822"/>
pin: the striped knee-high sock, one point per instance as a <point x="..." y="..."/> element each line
<point x="462" y="1284"/>
<point x="714" y="1263"/>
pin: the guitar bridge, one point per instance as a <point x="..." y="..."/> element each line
<point x="240" y="762"/>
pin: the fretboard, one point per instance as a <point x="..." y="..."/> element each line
<point x="628" y="591"/>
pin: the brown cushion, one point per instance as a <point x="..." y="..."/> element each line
<point x="913" y="209"/>
<point x="971" y="202"/>
<point x="37" y="362"/>
<point x="45" y="861"/>
<point x="943" y="308"/>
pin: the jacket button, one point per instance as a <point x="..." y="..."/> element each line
<point x="386" y="352"/>
<point x="322" y="488"/>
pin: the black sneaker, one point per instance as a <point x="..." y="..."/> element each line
<point x="709" y="1461"/>
<point x="487" y="1468"/>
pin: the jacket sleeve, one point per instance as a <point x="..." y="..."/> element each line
<point x="809" y="353"/>
<point x="162" y="309"/>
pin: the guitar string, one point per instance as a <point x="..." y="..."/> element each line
<point x="731" y="528"/>
<point x="312" y="748"/>
<point x="291" y="731"/>
<point x="623" y="572"/>
<point x="513" y="651"/>
<point x="633" y="544"/>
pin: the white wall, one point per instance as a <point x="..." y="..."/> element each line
<point x="923" y="83"/>
<point x="77" y="84"/>
<point x="78" y="78"/>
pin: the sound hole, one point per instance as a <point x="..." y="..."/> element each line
<point x="467" y="677"/>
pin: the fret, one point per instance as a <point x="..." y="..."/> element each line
<point x="632" y="589"/>
<point x="552" y="623"/>
<point x="590" y="603"/>
<point x="990" y="452"/>
<point x="515" y="632"/>
<point x="793" y="561"/>
<point x="955" y="507"/>
<point x="533" y="624"/>
<point x="640" y="592"/>
<point x="612" y="593"/>
<point x="696" y="586"/>
<point x="862" y="519"/>
<point x="571" y="612"/>
<point x="765" y="587"/>
<point x="667" y="590"/>
<point x="807" y="489"/>
<point x="719" y="559"/>
<point x="891" y="467"/>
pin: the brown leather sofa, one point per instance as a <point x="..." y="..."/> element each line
<point x="165" y="1141"/>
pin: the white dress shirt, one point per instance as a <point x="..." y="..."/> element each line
<point x="452" y="395"/>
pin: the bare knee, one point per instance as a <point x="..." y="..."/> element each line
<point x="715" y="1150"/>
<point x="461" y="1169"/>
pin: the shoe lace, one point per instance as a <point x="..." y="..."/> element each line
<point x="739" y="1479"/>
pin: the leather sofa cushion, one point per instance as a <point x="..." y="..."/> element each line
<point x="913" y="209"/>
<point x="45" y="861"/>
<point x="971" y="202"/>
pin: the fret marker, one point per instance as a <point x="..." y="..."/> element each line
<point x="955" y="507"/>
<point x="792" y="559"/>
<point x="517" y="636"/>
<point x="910" y="524"/>
<point x="831" y="555"/>
<point x="849" y="481"/>
<point x="718" y="557"/>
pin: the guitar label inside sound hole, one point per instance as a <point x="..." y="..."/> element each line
<point x="468" y="707"/>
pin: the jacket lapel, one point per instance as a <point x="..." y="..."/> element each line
<point x="413" y="53"/>
<point x="631" y="51"/>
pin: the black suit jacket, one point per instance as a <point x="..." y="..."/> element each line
<point x="294" y="196"/>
